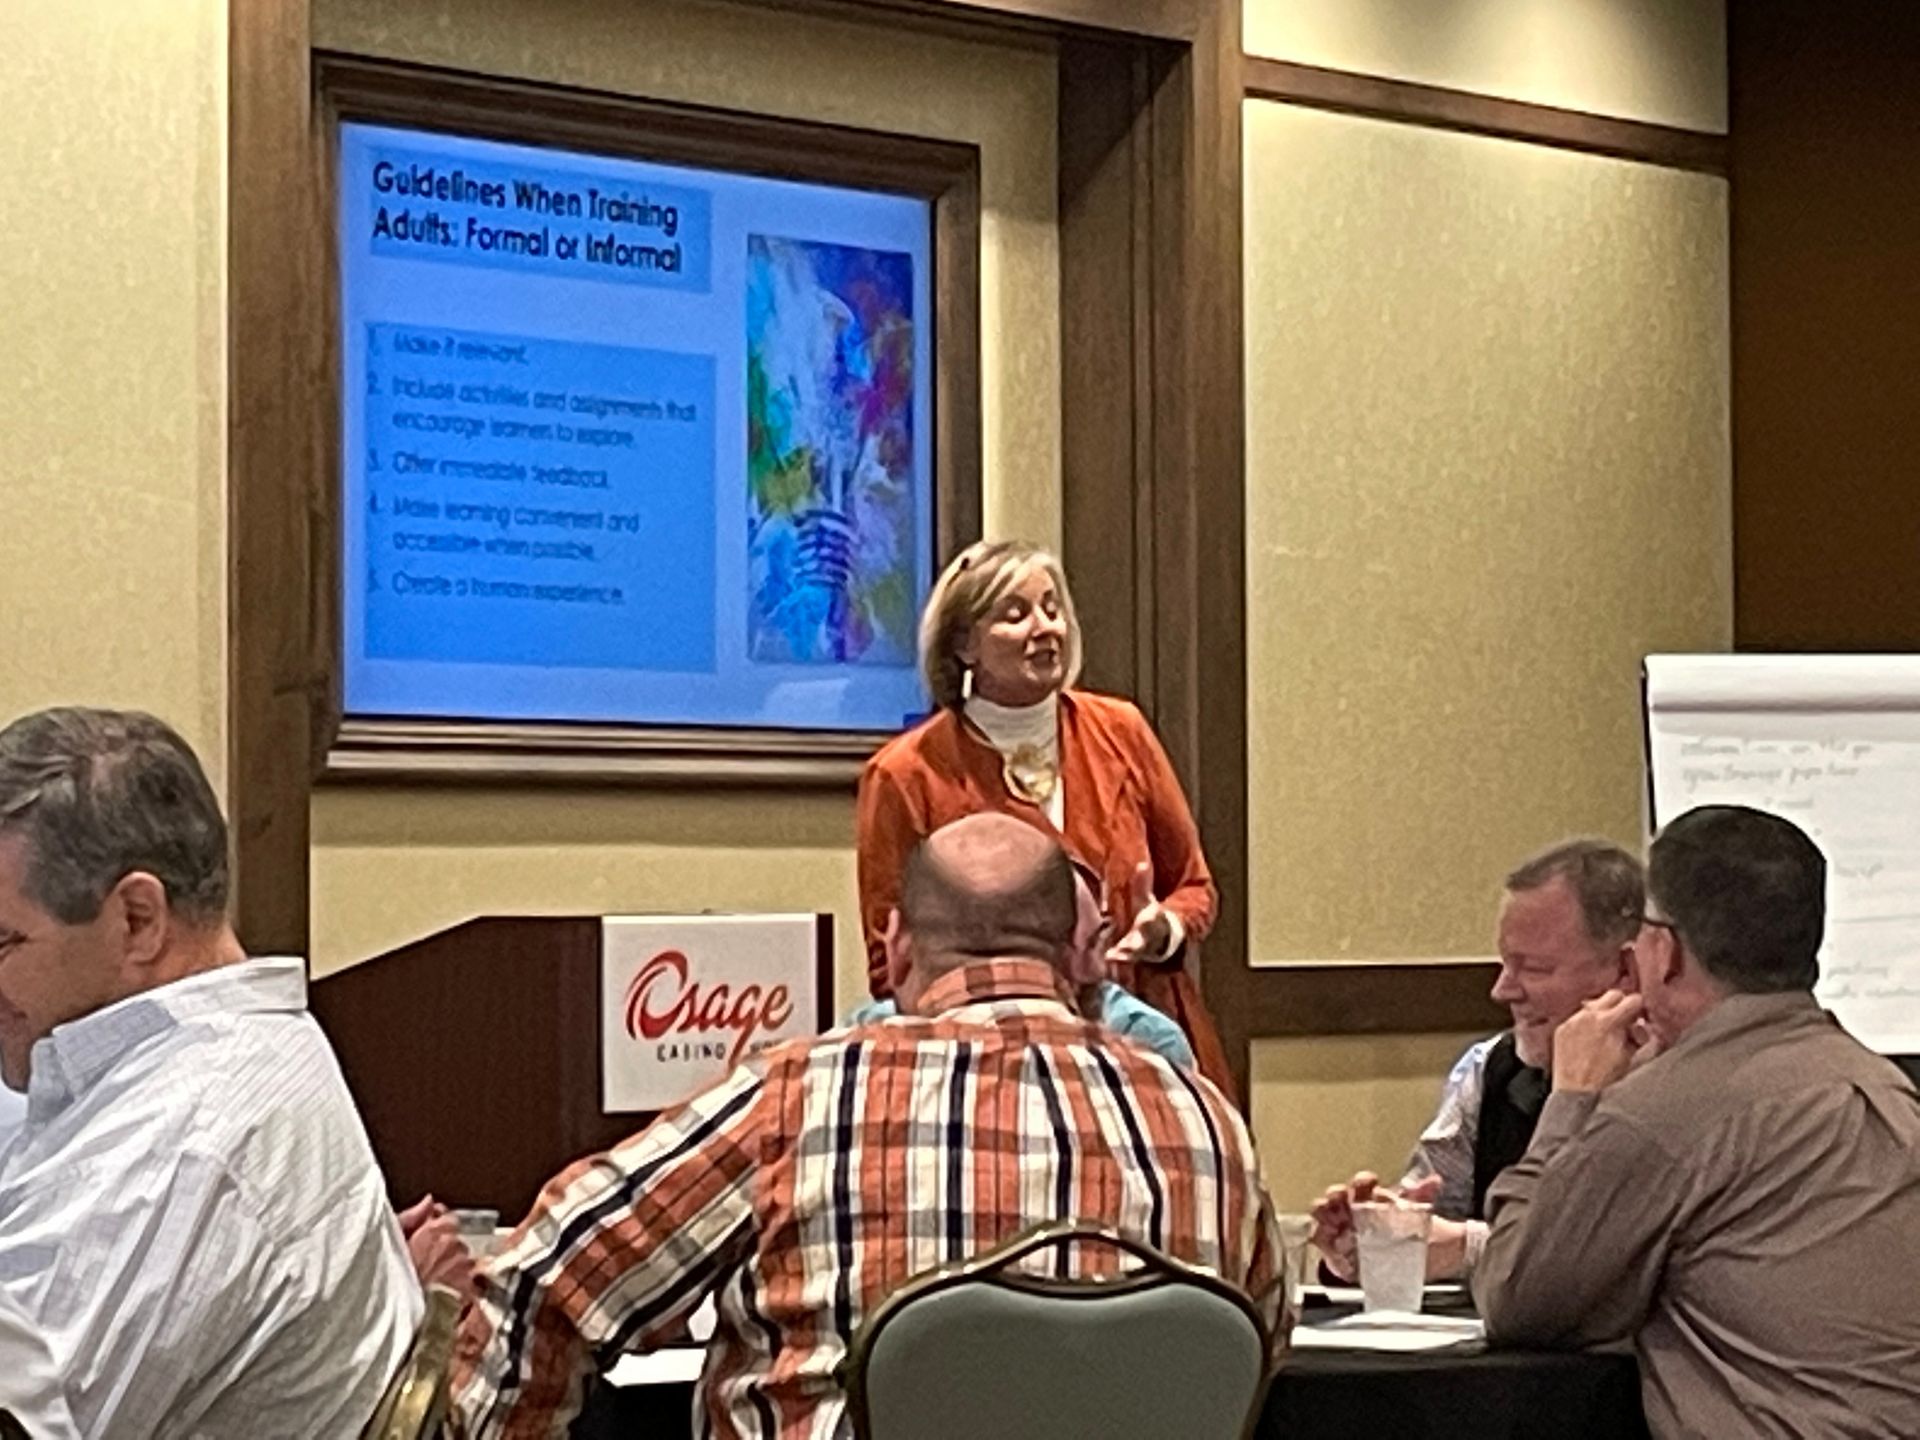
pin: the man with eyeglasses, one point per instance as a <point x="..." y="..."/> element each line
<point x="1722" y="1175"/>
<point x="1567" y="922"/>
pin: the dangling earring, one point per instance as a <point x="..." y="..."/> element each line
<point x="966" y="684"/>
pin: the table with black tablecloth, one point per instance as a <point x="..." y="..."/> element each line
<point x="1467" y="1391"/>
<point x="1464" y="1392"/>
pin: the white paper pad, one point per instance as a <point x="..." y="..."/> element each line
<point x="677" y="1366"/>
<point x="1388" y="1330"/>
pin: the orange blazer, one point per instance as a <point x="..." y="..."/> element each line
<point x="1123" y="805"/>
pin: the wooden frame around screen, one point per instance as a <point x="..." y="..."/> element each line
<point x="1149" y="254"/>
<point x="475" y="750"/>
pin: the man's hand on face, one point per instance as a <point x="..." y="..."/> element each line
<point x="1599" y="1043"/>
<point x="1333" y="1234"/>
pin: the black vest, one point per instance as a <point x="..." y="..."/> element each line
<point x="1510" y="1101"/>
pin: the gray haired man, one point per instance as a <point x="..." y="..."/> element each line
<point x="190" y="1215"/>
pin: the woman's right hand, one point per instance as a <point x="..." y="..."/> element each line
<point x="1150" y="938"/>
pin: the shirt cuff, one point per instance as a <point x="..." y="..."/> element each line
<point x="1176" y="935"/>
<point x="1476" y="1244"/>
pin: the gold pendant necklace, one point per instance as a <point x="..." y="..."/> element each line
<point x="1031" y="774"/>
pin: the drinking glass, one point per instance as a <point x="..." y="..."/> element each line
<point x="1392" y="1241"/>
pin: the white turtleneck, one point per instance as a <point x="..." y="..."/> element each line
<point x="1009" y="728"/>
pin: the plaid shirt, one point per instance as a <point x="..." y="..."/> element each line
<point x="816" y="1178"/>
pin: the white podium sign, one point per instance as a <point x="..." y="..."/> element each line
<point x="684" y="998"/>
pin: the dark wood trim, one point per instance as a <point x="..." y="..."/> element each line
<point x="1372" y="997"/>
<point x="1411" y="103"/>
<point x="1153" y="426"/>
<point x="1167" y="20"/>
<point x="274" y="369"/>
<point x="1106" y="424"/>
<point x="1153" y="19"/>
<point x="1208" y="569"/>
<point x="1824" y="224"/>
<point x="957" y="440"/>
<point x="525" y="112"/>
<point x="476" y="753"/>
<point x="436" y="750"/>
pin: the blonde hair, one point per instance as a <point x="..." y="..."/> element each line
<point x="977" y="580"/>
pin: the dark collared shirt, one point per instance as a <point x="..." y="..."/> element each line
<point x="1746" y="1209"/>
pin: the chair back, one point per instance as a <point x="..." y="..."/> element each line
<point x="1162" y="1352"/>
<point x="415" y="1400"/>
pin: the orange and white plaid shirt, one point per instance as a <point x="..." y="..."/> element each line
<point x="815" y="1179"/>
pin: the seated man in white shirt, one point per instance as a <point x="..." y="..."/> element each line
<point x="191" y="1218"/>
<point x="29" y="1381"/>
<point x="1567" y="925"/>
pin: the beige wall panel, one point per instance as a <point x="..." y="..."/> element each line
<point x="391" y="865"/>
<point x="112" y="265"/>
<point x="1487" y="472"/>
<point x="1328" y="1106"/>
<point x="1663" y="61"/>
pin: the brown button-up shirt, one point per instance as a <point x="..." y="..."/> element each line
<point x="1746" y="1210"/>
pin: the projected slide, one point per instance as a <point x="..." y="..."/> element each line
<point x="629" y="442"/>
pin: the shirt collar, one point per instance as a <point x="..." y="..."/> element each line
<point x="73" y="1057"/>
<point x="1742" y="1012"/>
<point x="1011" y="726"/>
<point x="990" y="980"/>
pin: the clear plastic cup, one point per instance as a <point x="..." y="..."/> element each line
<point x="480" y="1229"/>
<point x="1391" y="1236"/>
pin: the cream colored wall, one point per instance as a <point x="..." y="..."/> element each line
<point x="391" y="865"/>
<point x="1662" y="61"/>
<point x="1330" y="1105"/>
<point x="1487" y="471"/>
<point x="112" y="265"/>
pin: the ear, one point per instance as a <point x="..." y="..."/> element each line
<point x="1625" y="977"/>
<point x="1086" y="961"/>
<point x="146" y="918"/>
<point x="894" y="941"/>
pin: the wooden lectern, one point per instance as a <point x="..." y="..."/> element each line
<point x="475" y="1056"/>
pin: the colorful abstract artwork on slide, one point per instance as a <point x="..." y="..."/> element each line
<point x="831" y="521"/>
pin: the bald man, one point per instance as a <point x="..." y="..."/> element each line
<point x="1095" y="996"/>
<point x="810" y="1183"/>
